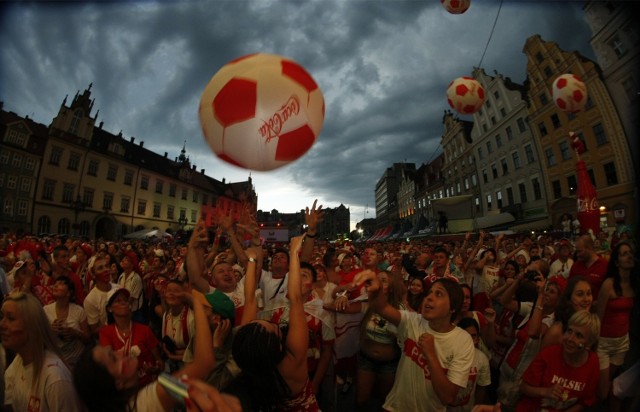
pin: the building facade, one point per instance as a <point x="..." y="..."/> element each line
<point x="95" y="184"/>
<point x="598" y="126"/>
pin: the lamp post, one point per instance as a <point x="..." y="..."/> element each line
<point x="182" y="221"/>
<point x="78" y="206"/>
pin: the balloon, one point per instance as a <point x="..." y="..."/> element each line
<point x="465" y="95"/>
<point x="456" y="6"/>
<point x="569" y="93"/>
<point x="261" y="112"/>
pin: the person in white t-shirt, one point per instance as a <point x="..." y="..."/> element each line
<point x="562" y="265"/>
<point x="95" y="304"/>
<point x="436" y="355"/>
<point x="37" y="379"/>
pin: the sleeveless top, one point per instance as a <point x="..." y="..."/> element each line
<point x="615" y="322"/>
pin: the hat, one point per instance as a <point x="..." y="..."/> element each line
<point x="559" y="280"/>
<point x="113" y="293"/>
<point x="523" y="253"/>
<point x="86" y="249"/>
<point x="221" y="304"/>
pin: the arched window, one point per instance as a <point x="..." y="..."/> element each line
<point x="44" y="225"/>
<point x="84" y="228"/>
<point x="63" y="226"/>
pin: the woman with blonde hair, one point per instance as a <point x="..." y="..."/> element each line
<point x="37" y="379"/>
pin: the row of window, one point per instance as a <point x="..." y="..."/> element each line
<point x="610" y="174"/>
<point x="510" y="200"/>
<point x="12" y="183"/>
<point x="498" y="138"/>
<point x="64" y="226"/>
<point x="18" y="160"/>
<point x="13" y="207"/>
<point x="112" y="175"/>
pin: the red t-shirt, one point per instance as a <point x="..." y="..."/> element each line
<point x="594" y="273"/>
<point x="141" y="337"/>
<point x="548" y="368"/>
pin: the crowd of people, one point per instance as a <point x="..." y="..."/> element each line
<point x="486" y="322"/>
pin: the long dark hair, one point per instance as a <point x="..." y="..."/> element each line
<point x="97" y="388"/>
<point x="613" y="272"/>
<point x="565" y="310"/>
<point x="258" y="353"/>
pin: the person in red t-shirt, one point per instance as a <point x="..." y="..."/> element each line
<point x="589" y="264"/>
<point x="564" y="376"/>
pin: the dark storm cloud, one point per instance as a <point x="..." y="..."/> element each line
<point x="383" y="67"/>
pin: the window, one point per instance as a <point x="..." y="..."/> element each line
<point x="128" y="177"/>
<point x="30" y="163"/>
<point x="480" y="155"/>
<point x="48" y="189"/>
<point x="92" y="170"/>
<point x="494" y="171"/>
<point x="543" y="129"/>
<point x="17" y="137"/>
<point x="159" y="184"/>
<point x="17" y="160"/>
<point x="485" y="178"/>
<point x="589" y="104"/>
<point x="630" y="88"/>
<point x="528" y="151"/>
<point x="489" y="148"/>
<point x="551" y="157"/>
<point x="67" y="192"/>
<point x="458" y="187"/>
<point x="144" y="182"/>
<point x="25" y="185"/>
<point x="503" y="112"/>
<point x="522" y="127"/>
<point x="493" y="120"/>
<point x="63" y="226"/>
<point x="125" y="201"/>
<point x="22" y="208"/>
<point x="466" y="183"/>
<point x="505" y="166"/>
<point x="499" y="199"/>
<point x="539" y="57"/>
<point x="592" y="177"/>
<point x="584" y="142"/>
<point x="488" y="202"/>
<point x="142" y="207"/>
<point x="4" y="157"/>
<point x="112" y="172"/>
<point x="87" y="197"/>
<point x="12" y="181"/>
<point x="44" y="225"/>
<point x="509" y="133"/>
<point x="194" y="215"/>
<point x="537" y="192"/>
<point x="488" y="104"/>
<point x="474" y="180"/>
<point x="510" y="196"/>
<point x="498" y="141"/>
<point x="74" y="161"/>
<point x="107" y="201"/>
<point x="156" y="209"/>
<point x="196" y="196"/>
<point x="555" y="121"/>
<point x="573" y="185"/>
<point x="523" y="192"/>
<point x="598" y="131"/>
<point x="184" y="194"/>
<point x="557" y="189"/>
<point x="56" y="154"/>
<point x="75" y="121"/>
<point x="618" y="46"/>
<point x="477" y="202"/>
<point x="172" y="190"/>
<point x="484" y="128"/>
<point x="610" y="173"/>
<point x="544" y="99"/>
<point x="170" y="212"/>
<point x="515" y="156"/>
<point x="565" y="151"/>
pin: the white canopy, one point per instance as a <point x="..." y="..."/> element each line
<point x="147" y="234"/>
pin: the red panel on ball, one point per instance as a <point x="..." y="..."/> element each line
<point x="294" y="144"/>
<point x="235" y="102"/>
<point x="298" y="74"/>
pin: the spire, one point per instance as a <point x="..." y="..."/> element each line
<point x="183" y="153"/>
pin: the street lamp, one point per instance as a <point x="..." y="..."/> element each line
<point x="78" y="206"/>
<point x="182" y="222"/>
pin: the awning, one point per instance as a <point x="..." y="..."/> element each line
<point x="383" y="234"/>
<point x="532" y="225"/>
<point x="484" y="222"/>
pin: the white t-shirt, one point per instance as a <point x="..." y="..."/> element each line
<point x="479" y="375"/>
<point x="55" y="391"/>
<point x="147" y="399"/>
<point x="561" y="268"/>
<point x="71" y="348"/>
<point x="412" y="389"/>
<point x="133" y="283"/>
<point x="274" y="291"/>
<point x="95" y="305"/>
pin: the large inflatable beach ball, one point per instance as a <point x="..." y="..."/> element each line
<point x="465" y="95"/>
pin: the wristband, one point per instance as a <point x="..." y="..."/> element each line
<point x="540" y="308"/>
<point x="252" y="260"/>
<point x="310" y="235"/>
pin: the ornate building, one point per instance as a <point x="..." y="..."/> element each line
<point x="96" y="184"/>
<point x="597" y="125"/>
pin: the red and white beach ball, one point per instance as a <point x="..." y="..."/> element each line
<point x="569" y="93"/>
<point x="465" y="95"/>
<point x="456" y="6"/>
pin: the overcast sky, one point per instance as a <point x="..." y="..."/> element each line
<point x="383" y="66"/>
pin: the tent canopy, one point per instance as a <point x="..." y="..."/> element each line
<point x="148" y="234"/>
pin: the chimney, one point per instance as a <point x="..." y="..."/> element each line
<point x="193" y="167"/>
<point x="100" y="127"/>
<point x="166" y="154"/>
<point x="141" y="143"/>
<point x="223" y="179"/>
<point x="202" y="171"/>
<point x="132" y="140"/>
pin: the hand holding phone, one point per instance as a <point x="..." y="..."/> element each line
<point x="174" y="387"/>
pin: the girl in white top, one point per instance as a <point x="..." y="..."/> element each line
<point x="436" y="355"/>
